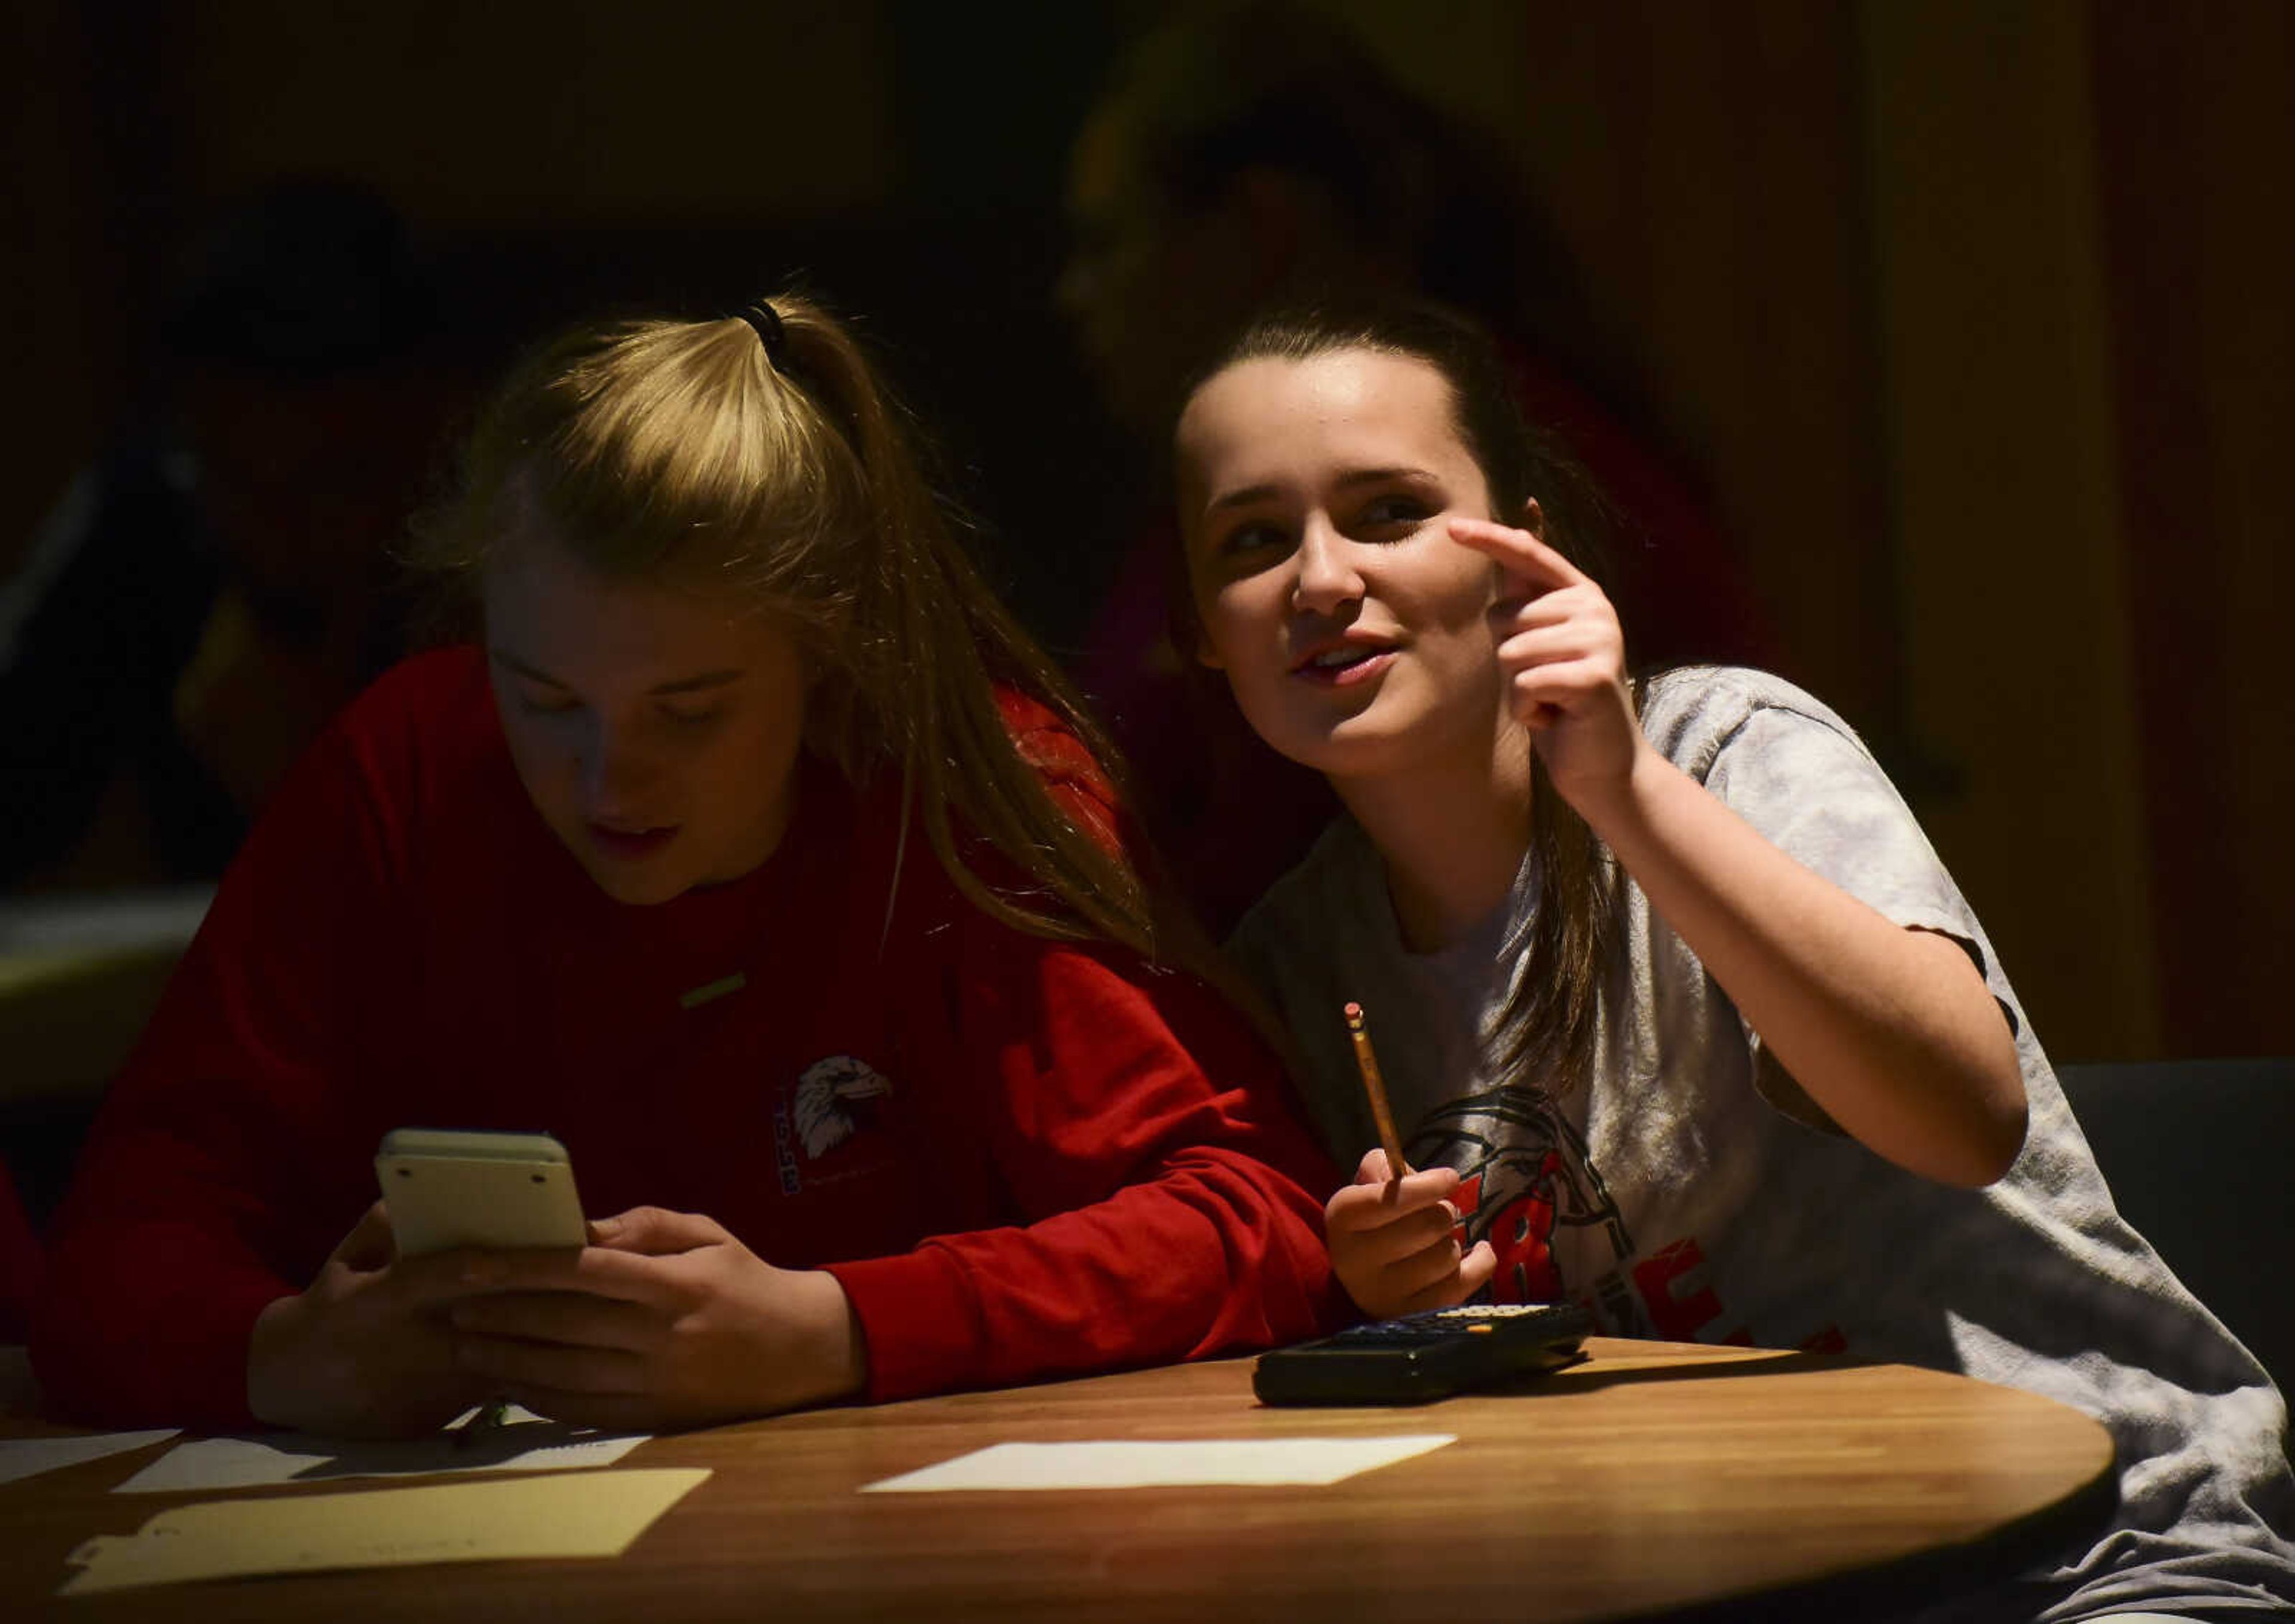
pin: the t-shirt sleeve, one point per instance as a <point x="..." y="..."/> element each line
<point x="1160" y="1185"/>
<point x="1811" y="787"/>
<point x="211" y="1182"/>
<point x="1814" y="793"/>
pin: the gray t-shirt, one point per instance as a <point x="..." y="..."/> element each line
<point x="1690" y="1191"/>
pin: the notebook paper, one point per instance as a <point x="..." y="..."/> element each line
<point x="1160" y="1464"/>
<point x="588" y="1514"/>
<point x="26" y="1456"/>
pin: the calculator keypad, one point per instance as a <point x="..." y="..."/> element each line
<point x="1437" y="1325"/>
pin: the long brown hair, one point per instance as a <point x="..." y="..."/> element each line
<point x="1551" y="1021"/>
<point x="760" y="454"/>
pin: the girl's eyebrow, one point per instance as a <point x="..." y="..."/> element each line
<point x="686" y="685"/>
<point x="1251" y="494"/>
<point x="1245" y="497"/>
<point x="681" y="685"/>
<point x="503" y="658"/>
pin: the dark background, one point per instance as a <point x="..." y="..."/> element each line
<point x="1974" y="315"/>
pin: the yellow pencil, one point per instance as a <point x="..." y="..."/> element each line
<point x="1368" y="1063"/>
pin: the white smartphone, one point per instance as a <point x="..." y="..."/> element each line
<point x="473" y="1187"/>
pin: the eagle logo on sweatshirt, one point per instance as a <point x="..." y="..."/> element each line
<point x="834" y="1096"/>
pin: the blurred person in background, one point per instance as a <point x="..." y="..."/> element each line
<point x="215" y="584"/>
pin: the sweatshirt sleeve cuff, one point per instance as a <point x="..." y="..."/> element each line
<point x="919" y="1321"/>
<point x="200" y="1383"/>
<point x="229" y="1333"/>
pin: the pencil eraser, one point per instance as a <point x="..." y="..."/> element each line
<point x="1354" y="1010"/>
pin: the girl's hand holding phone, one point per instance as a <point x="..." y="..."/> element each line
<point x="1391" y="1243"/>
<point x="365" y="1350"/>
<point x="1562" y="656"/>
<point x="664" y="1320"/>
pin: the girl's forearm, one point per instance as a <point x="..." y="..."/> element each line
<point x="1890" y="1030"/>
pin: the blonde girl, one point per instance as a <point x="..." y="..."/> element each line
<point x="749" y="848"/>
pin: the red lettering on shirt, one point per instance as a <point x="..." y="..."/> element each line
<point x="1468" y="1195"/>
<point x="1677" y="1305"/>
<point x="1522" y="1234"/>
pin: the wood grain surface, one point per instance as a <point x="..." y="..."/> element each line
<point x="1652" y="1478"/>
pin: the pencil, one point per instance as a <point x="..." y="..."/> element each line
<point x="1368" y="1063"/>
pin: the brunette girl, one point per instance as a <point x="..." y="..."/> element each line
<point x="1680" y="1013"/>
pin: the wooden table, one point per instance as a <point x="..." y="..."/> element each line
<point x="1653" y="1477"/>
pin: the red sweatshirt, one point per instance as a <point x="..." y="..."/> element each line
<point x="1019" y="1157"/>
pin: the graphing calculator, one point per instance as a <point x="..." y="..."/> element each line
<point x="446" y="1188"/>
<point x="1423" y="1357"/>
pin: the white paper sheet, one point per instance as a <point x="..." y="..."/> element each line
<point x="524" y="1442"/>
<point x="26" y="1457"/>
<point x="1160" y="1464"/>
<point x="597" y="1515"/>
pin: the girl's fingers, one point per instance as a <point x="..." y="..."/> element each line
<point x="1448" y="1291"/>
<point x="1522" y="555"/>
<point x="1477" y="1268"/>
<point x="1377" y="1242"/>
<point x="1543" y="694"/>
<point x="1422" y="1188"/>
<point x="438" y="1278"/>
<point x="657" y="1231"/>
<point x="1408" y="1237"/>
<point x="1565" y="682"/>
<point x="1406" y="1277"/>
<point x="1547" y="646"/>
<point x="1511" y="616"/>
<point x="370" y="1244"/>
<point x="518" y="1367"/>
<point x="1362" y="1207"/>
<point x="597" y="1271"/>
<point x="1565" y="605"/>
<point x="568" y="1317"/>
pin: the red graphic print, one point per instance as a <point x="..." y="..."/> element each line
<point x="1522" y="1234"/>
<point x="1678" y="1304"/>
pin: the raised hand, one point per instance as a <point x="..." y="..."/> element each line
<point x="1562" y="656"/>
<point x="664" y="1320"/>
<point x="1391" y="1242"/>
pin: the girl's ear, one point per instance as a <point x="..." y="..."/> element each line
<point x="1533" y="517"/>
